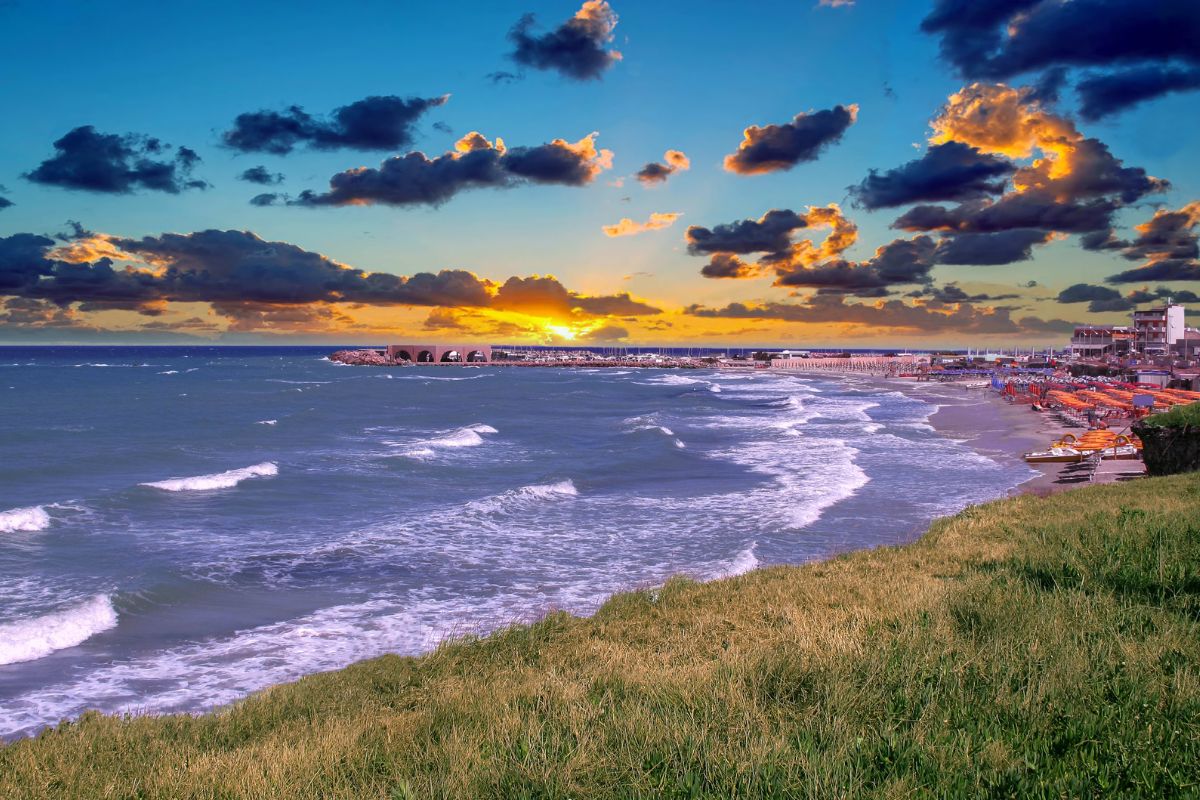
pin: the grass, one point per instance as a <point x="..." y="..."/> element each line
<point x="1177" y="417"/>
<point x="1032" y="647"/>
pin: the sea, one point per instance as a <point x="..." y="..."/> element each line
<point x="183" y="526"/>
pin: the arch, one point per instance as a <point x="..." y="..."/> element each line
<point x="425" y="357"/>
<point x="477" y="357"/>
<point x="404" y="355"/>
<point x="451" y="357"/>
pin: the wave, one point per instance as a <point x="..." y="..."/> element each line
<point x="169" y="372"/>
<point x="30" y="639"/>
<point x="218" y="480"/>
<point x="468" y="436"/>
<point x="523" y="497"/>
<point x="30" y="518"/>
<point x="267" y="422"/>
<point x="743" y="562"/>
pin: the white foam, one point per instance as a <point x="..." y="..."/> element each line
<point x="218" y="480"/>
<point x="267" y="422"/>
<point x="31" y="518"/>
<point x="740" y="564"/>
<point x="463" y="437"/>
<point x="170" y="372"/>
<point x="30" y="639"/>
<point x="523" y="496"/>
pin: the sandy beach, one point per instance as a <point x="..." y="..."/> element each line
<point x="997" y="427"/>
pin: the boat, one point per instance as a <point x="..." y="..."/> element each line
<point x="1055" y="455"/>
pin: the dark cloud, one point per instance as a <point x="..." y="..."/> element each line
<point x="1102" y="95"/>
<point x="949" y="171"/>
<point x="1003" y="247"/>
<point x="658" y="172"/>
<point x="780" y="147"/>
<point x="1098" y="298"/>
<point x="116" y="164"/>
<point x="997" y="39"/>
<point x="576" y="49"/>
<point x="1048" y="87"/>
<point x="261" y="175"/>
<point x="214" y="266"/>
<point x="606" y="333"/>
<point x="415" y="178"/>
<point x="502" y="77"/>
<point x="546" y="296"/>
<point x="771" y="233"/>
<point x="900" y="262"/>
<point x="5" y="202"/>
<point x="728" y="265"/>
<point x="1033" y="209"/>
<point x="373" y="123"/>
<point x="1171" y="269"/>
<point x="951" y="294"/>
<point x="963" y="319"/>
<point x="266" y="199"/>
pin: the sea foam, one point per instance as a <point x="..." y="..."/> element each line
<point x="32" y="518"/>
<point x="30" y="639"/>
<point x="463" y="437"/>
<point x="218" y="480"/>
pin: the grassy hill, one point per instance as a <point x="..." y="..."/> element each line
<point x="1033" y="647"/>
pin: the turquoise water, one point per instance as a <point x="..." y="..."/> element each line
<point x="180" y="527"/>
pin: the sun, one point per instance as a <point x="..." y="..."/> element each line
<point x="561" y="330"/>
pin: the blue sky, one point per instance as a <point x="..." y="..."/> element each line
<point x="692" y="76"/>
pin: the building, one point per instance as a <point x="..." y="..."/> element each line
<point x="1158" y="330"/>
<point x="440" y="353"/>
<point x="1101" y="341"/>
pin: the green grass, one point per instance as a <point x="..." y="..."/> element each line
<point x="1033" y="647"/>
<point x="1177" y="417"/>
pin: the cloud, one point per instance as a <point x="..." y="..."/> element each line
<point x="414" y="178"/>
<point x="951" y="294"/>
<point x="1002" y="247"/>
<point x="1001" y="38"/>
<point x="772" y="232"/>
<point x="116" y="164"/>
<point x="948" y="171"/>
<point x="1032" y="210"/>
<point x="373" y="123"/>
<point x="261" y="175"/>
<point x="502" y="77"/>
<point x="902" y="261"/>
<point x="606" y="333"/>
<point x="886" y="314"/>
<point x="266" y="199"/>
<point x="835" y="3"/>
<point x="577" y="49"/>
<point x="728" y="265"/>
<point x="1102" y="95"/>
<point x="627" y="227"/>
<point x="656" y="172"/>
<point x="1099" y="298"/>
<point x="1167" y="243"/>
<point x="5" y="202"/>
<point x="546" y="296"/>
<point x="772" y="148"/>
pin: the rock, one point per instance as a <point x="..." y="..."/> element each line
<point x="363" y="358"/>
<point x="1168" y="451"/>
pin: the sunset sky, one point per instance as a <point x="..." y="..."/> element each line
<point x="867" y="173"/>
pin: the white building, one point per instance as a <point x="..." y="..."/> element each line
<point x="1156" y="330"/>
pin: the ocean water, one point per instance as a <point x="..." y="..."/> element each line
<point x="180" y="527"/>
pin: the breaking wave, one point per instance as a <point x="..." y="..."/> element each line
<point x="30" y="639"/>
<point x="31" y="518"/>
<point x="218" y="480"/>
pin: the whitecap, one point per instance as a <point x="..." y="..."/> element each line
<point x="170" y="372"/>
<point x="468" y="436"/>
<point x="218" y="480"/>
<point x="30" y="518"/>
<point x="267" y="422"/>
<point x="743" y="562"/>
<point x="30" y="639"/>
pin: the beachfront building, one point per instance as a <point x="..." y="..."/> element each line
<point x="1101" y="341"/>
<point x="1158" y="330"/>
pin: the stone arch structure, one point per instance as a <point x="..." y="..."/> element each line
<point x="440" y="353"/>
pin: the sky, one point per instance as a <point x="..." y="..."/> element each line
<point x="806" y="174"/>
